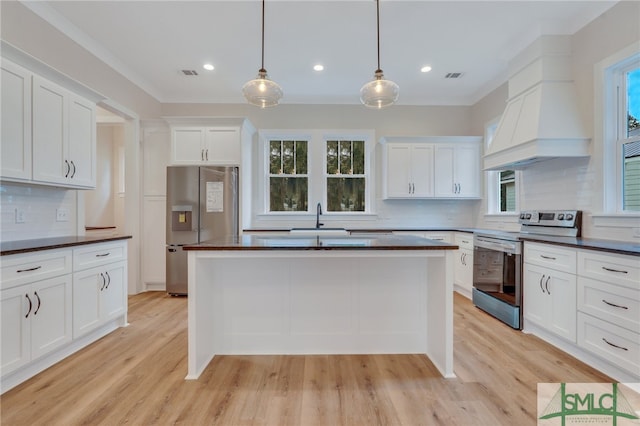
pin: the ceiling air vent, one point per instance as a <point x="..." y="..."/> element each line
<point x="189" y="72"/>
<point x="453" y="75"/>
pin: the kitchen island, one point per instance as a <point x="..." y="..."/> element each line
<point x="286" y="294"/>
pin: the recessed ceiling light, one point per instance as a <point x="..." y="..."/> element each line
<point x="318" y="67"/>
<point x="208" y="67"/>
<point x="426" y="68"/>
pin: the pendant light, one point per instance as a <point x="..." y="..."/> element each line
<point x="261" y="91"/>
<point x="379" y="93"/>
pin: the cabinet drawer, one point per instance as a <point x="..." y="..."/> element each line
<point x="553" y="257"/>
<point x="19" y="269"/>
<point x="615" y="344"/>
<point x="619" y="305"/>
<point x="98" y="254"/>
<point x="464" y="241"/>
<point x="616" y="269"/>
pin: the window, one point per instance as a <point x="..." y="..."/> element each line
<point x="629" y="139"/>
<point x="345" y="176"/>
<point x="502" y="186"/>
<point x="305" y="167"/>
<point x="288" y="176"/>
<point x="507" y="183"/>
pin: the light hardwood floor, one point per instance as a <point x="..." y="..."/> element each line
<point x="136" y="376"/>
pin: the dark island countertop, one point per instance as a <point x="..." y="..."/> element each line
<point x="323" y="242"/>
<point x="38" y="244"/>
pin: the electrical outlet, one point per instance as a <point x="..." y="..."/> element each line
<point x="62" y="215"/>
<point x="636" y="232"/>
<point x="20" y="216"/>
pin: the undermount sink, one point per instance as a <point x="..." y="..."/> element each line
<point x="319" y="231"/>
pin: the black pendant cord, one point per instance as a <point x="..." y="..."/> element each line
<point x="262" y="69"/>
<point x="378" y="29"/>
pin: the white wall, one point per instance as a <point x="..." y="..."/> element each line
<point x="99" y="203"/>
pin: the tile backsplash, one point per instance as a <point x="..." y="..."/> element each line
<point x="38" y="207"/>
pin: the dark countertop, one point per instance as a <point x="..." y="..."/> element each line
<point x="324" y="242"/>
<point x="618" y="247"/>
<point x="611" y="246"/>
<point x="38" y="244"/>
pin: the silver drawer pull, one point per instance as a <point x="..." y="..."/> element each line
<point x="103" y="255"/>
<point x="615" y="346"/>
<point x="614" y="270"/>
<point x="547" y="257"/>
<point x="614" y="305"/>
<point x="29" y="270"/>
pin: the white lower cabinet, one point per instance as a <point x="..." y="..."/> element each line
<point x="97" y="296"/>
<point x="463" y="267"/>
<point x="54" y="302"/>
<point x="589" y="298"/>
<point x="550" y="300"/>
<point x="36" y="319"/>
<point x="609" y="308"/>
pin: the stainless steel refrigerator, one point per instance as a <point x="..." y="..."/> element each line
<point x="202" y="204"/>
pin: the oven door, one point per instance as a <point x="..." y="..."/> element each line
<point x="497" y="278"/>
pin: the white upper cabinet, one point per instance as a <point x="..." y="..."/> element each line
<point x="15" y="122"/>
<point x="409" y="171"/>
<point x="457" y="170"/>
<point x="206" y="145"/>
<point x="64" y="137"/>
<point x="431" y="167"/>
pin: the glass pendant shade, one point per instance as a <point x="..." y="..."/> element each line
<point x="379" y="93"/>
<point x="261" y="91"/>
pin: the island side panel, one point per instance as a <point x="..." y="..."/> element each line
<point x="440" y="308"/>
<point x="307" y="302"/>
<point x="200" y="315"/>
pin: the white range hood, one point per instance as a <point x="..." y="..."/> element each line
<point x="541" y="119"/>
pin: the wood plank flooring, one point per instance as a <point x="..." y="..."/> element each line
<point x="136" y="376"/>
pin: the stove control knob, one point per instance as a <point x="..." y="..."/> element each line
<point x="528" y="216"/>
<point x="521" y="215"/>
<point x="568" y="216"/>
<point x="561" y="216"/>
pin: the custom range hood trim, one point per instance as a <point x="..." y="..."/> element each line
<point x="541" y="120"/>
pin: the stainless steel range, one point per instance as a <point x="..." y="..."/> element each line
<point x="497" y="261"/>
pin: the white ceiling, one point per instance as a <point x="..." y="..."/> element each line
<point x="150" y="42"/>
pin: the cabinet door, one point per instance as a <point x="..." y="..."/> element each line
<point x="422" y="171"/>
<point x="398" y="171"/>
<point x="222" y="146"/>
<point x="15" y="328"/>
<point x="535" y="298"/>
<point x="87" y="287"/>
<point x="50" y="164"/>
<point x="15" y="122"/>
<point x="51" y="318"/>
<point x="467" y="170"/>
<point x="113" y="296"/>
<point x="187" y="145"/>
<point x="561" y="288"/>
<point x="82" y="142"/>
<point x="444" y="171"/>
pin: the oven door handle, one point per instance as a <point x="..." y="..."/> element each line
<point x="493" y="245"/>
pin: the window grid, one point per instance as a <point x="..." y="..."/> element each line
<point x="288" y="176"/>
<point x="345" y="176"/>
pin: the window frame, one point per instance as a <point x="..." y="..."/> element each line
<point x="368" y="181"/>
<point x="316" y="170"/>
<point x="610" y="107"/>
